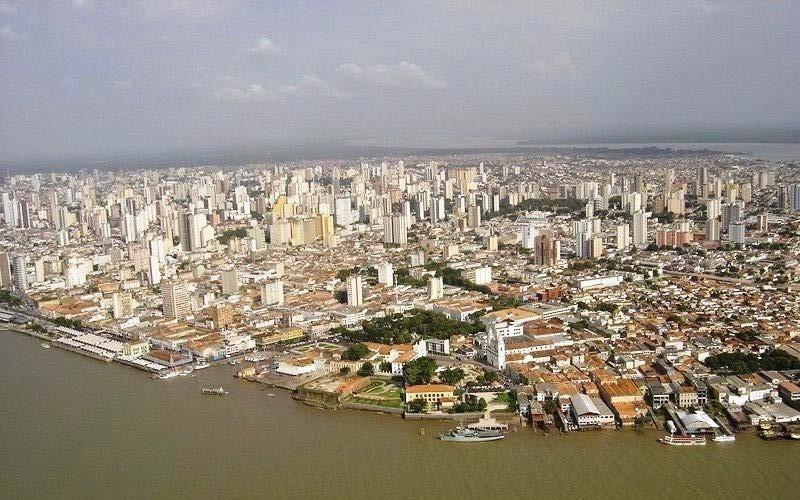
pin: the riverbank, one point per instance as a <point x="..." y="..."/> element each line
<point x="67" y="424"/>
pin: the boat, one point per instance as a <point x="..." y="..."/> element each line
<point x="45" y="345"/>
<point x="217" y="391"/>
<point x="271" y="395"/>
<point x="487" y="423"/>
<point x="671" y="427"/>
<point x="770" y="434"/>
<point x="233" y="362"/>
<point x="724" y="438"/>
<point x="674" y="440"/>
<point x="201" y="363"/>
<point x="466" y="435"/>
<point x="168" y="374"/>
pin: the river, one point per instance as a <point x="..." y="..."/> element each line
<point x="73" y="427"/>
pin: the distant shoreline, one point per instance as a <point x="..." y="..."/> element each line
<point x="226" y="158"/>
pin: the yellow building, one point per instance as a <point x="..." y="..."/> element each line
<point x="279" y="335"/>
<point x="437" y="396"/>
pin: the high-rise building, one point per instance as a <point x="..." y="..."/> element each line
<point x="395" y="229"/>
<point x="123" y="305"/>
<point x="528" y="236"/>
<point x="19" y="274"/>
<point x="5" y="271"/>
<point x="546" y="249"/>
<point x="712" y="230"/>
<point x="230" y="282"/>
<point x="355" y="294"/>
<point x="794" y="197"/>
<point x="176" y="301"/>
<point x="623" y="236"/>
<point x="272" y="293"/>
<point x="386" y="273"/>
<point x="435" y="288"/>
<point x="736" y="233"/>
<point x="640" y="228"/>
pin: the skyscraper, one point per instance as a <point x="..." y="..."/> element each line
<point x="355" y="295"/>
<point x="176" y="301"/>
<point x="640" y="228"/>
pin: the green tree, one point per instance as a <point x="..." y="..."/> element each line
<point x="345" y="370"/>
<point x="417" y="406"/>
<point x="355" y="352"/>
<point x="386" y="367"/>
<point x="452" y="376"/>
<point x="366" y="370"/>
<point x="419" y="371"/>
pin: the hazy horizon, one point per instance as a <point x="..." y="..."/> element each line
<point x="97" y="79"/>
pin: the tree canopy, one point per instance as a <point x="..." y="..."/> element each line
<point x="355" y="352"/>
<point x="402" y="329"/>
<point x="738" y="362"/>
<point x="419" y="371"/>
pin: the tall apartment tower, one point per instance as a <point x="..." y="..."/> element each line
<point x="230" y="282"/>
<point x="272" y="293"/>
<point x="355" y="293"/>
<point x="435" y="288"/>
<point x="640" y="228"/>
<point x="5" y="271"/>
<point x="176" y="301"/>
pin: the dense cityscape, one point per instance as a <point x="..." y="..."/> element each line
<point x="571" y="290"/>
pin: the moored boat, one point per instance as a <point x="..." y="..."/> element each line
<point x="217" y="391"/>
<point x="724" y="438"/>
<point x="466" y="435"/>
<point x="674" y="440"/>
<point x="45" y="345"/>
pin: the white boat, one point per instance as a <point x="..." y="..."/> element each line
<point x="233" y="362"/>
<point x="271" y="395"/>
<point x="724" y="438"/>
<point x="218" y="391"/>
<point x="201" y="363"/>
<point x="674" y="440"/>
<point x="168" y="374"/>
<point x="45" y="345"/>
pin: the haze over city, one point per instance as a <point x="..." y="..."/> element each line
<point x="92" y="79"/>
<point x="329" y="249"/>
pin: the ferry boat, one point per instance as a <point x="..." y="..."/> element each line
<point x="167" y="375"/>
<point x="724" y="438"/>
<point x="487" y="423"/>
<point x="217" y="391"/>
<point x="674" y="440"/>
<point x="466" y="435"/>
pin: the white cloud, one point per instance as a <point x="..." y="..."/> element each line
<point x="6" y="8"/>
<point x="8" y="34"/>
<point x="263" y="48"/>
<point x="309" y="84"/>
<point x="250" y="93"/>
<point x="557" y="66"/>
<point x="187" y="8"/>
<point x="403" y="75"/>
<point x="123" y="84"/>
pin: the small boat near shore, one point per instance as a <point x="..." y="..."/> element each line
<point x="724" y="438"/>
<point x="467" y="435"/>
<point x="217" y="391"/>
<point x="201" y="363"/>
<point x="673" y="440"/>
<point x="45" y="345"/>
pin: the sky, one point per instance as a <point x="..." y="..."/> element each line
<point x="95" y="78"/>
